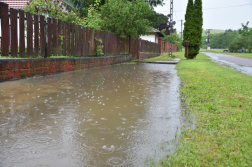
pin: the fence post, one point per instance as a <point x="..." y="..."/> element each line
<point x="42" y="36"/>
<point x="72" y="40"/>
<point x="14" y="39"/>
<point x="36" y="33"/>
<point x="55" y="37"/>
<point x="59" y="38"/>
<point x="29" y="35"/>
<point x="21" y="34"/>
<point x="64" y="39"/>
<point x="49" y="37"/>
<point x="5" y="29"/>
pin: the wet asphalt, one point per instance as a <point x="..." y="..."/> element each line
<point x="241" y="64"/>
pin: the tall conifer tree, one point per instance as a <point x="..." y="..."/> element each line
<point x="188" y="26"/>
<point x="198" y="19"/>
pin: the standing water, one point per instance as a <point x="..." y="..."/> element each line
<point x="124" y="115"/>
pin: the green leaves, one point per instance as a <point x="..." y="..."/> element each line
<point x="126" y="18"/>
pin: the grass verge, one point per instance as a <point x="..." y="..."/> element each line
<point x="221" y="100"/>
<point x="163" y="56"/>
<point x="243" y="55"/>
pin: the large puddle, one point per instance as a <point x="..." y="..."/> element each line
<point x="124" y="115"/>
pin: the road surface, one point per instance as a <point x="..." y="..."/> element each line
<point x="241" y="64"/>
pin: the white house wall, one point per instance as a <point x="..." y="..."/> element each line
<point x="152" y="38"/>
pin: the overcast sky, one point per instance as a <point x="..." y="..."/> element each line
<point x="225" y="17"/>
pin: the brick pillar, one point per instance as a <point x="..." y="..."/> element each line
<point x="161" y="45"/>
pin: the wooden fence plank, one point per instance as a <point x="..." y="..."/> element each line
<point x="14" y="38"/>
<point x="68" y="39"/>
<point x="72" y="40"/>
<point x="29" y="35"/>
<point x="79" y="40"/>
<point x="5" y="29"/>
<point x="42" y="36"/>
<point x="49" y="37"/>
<point x="59" y="38"/>
<point x="86" y="41"/>
<point x="76" y="40"/>
<point x="83" y="41"/>
<point x="55" y="37"/>
<point x="36" y="34"/>
<point x="21" y="34"/>
<point x="64" y="39"/>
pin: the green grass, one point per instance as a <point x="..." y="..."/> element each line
<point x="163" y="56"/>
<point x="221" y="101"/>
<point x="243" y="55"/>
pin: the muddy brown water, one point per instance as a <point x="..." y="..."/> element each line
<point x="123" y="115"/>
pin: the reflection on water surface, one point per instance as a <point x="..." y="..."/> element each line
<point x="123" y="115"/>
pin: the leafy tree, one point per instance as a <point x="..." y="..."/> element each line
<point x="48" y="8"/>
<point x="245" y="30"/>
<point x="126" y="18"/>
<point x="198" y="23"/>
<point x="188" y="27"/>
<point x="83" y="5"/>
<point x="165" y="24"/>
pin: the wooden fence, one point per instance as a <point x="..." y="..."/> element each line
<point x="53" y="37"/>
<point x="146" y="46"/>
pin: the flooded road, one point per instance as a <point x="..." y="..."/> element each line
<point x="241" y="64"/>
<point x="123" y="115"/>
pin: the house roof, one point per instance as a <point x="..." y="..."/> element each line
<point x="16" y="4"/>
<point x="20" y="4"/>
<point x="155" y="31"/>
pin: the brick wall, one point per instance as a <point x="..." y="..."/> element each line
<point x="142" y="55"/>
<point x="167" y="47"/>
<point x="11" y="69"/>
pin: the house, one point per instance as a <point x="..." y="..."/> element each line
<point x="152" y="35"/>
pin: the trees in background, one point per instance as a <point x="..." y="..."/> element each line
<point x="216" y="40"/>
<point x="193" y="27"/>
<point x="244" y="42"/>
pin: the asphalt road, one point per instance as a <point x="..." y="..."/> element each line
<point x="241" y="64"/>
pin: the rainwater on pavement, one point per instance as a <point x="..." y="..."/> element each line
<point x="122" y="115"/>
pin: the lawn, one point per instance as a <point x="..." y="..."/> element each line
<point x="220" y="99"/>
<point x="163" y="56"/>
<point x="243" y="55"/>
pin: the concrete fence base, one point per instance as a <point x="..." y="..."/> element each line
<point x="11" y="69"/>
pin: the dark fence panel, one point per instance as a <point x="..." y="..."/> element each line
<point x="42" y="36"/>
<point x="59" y="38"/>
<point x="55" y="38"/>
<point x="14" y="37"/>
<point x="49" y="37"/>
<point x="76" y="40"/>
<point x="72" y="39"/>
<point x="5" y="29"/>
<point x="29" y="34"/>
<point x="64" y="39"/>
<point x="68" y="39"/>
<point x="21" y="34"/>
<point x="79" y="40"/>
<point x="36" y="35"/>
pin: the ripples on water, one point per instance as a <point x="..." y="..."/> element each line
<point x="109" y="116"/>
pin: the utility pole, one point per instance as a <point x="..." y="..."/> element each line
<point x="171" y="20"/>
<point x="224" y="41"/>
<point x="181" y="33"/>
